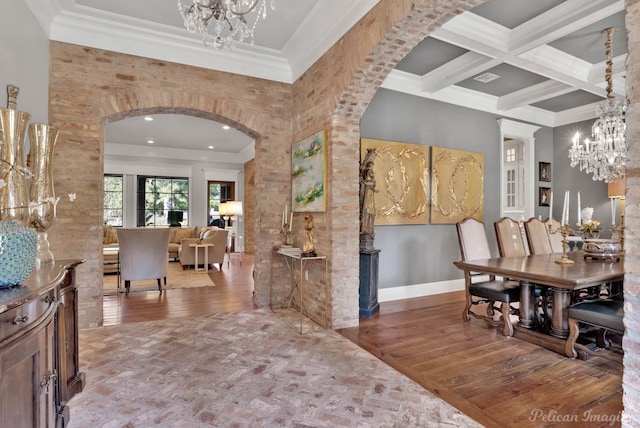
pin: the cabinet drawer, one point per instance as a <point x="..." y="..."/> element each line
<point x="21" y="317"/>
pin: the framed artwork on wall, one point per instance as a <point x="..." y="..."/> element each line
<point x="544" y="193"/>
<point x="457" y="185"/>
<point x="308" y="173"/>
<point x="545" y="171"/>
<point x="401" y="171"/>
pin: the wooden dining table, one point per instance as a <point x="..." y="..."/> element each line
<point x="562" y="279"/>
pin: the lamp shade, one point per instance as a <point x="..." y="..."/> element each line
<point x="617" y="189"/>
<point x="223" y="209"/>
<point x="234" y="207"/>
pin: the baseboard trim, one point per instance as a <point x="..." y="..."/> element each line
<point x="419" y="290"/>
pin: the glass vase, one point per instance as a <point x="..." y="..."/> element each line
<point x="41" y="192"/>
<point x="14" y="190"/>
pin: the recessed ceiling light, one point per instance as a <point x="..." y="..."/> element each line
<point x="486" y="77"/>
<point x="150" y="141"/>
<point x="226" y="127"/>
<point x="211" y="147"/>
<point x="148" y="118"/>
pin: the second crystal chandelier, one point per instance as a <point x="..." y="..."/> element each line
<point x="222" y="23"/>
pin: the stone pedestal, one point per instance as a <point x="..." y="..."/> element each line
<point x="369" y="305"/>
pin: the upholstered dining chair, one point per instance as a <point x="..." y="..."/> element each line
<point x="474" y="245"/>
<point x="537" y="236"/>
<point x="509" y="238"/>
<point x="143" y="254"/>
<point x="555" y="239"/>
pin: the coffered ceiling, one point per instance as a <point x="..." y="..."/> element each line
<point x="548" y="54"/>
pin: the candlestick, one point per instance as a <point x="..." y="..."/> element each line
<point x="613" y="211"/>
<point x="579" y="223"/>
<point x="564" y="231"/>
<point x="566" y="221"/>
<point x="564" y="209"/>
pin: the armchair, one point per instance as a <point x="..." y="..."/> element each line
<point x="211" y="235"/>
<point x="143" y="254"/>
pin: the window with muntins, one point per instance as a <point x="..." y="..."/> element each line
<point x="159" y="195"/>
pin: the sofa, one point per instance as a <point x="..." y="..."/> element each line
<point x="177" y="234"/>
<point x="208" y="235"/>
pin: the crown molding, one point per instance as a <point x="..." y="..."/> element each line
<point x="103" y="30"/>
<point x="321" y="29"/>
<point x="154" y="153"/>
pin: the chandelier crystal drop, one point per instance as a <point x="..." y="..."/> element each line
<point x="222" y="23"/>
<point x="604" y="156"/>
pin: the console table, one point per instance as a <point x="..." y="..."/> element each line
<point x="295" y="264"/>
<point x="39" y="366"/>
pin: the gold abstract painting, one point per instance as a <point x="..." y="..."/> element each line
<point x="457" y="185"/>
<point x="401" y="172"/>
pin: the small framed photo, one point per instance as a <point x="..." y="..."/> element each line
<point x="545" y="171"/>
<point x="544" y="193"/>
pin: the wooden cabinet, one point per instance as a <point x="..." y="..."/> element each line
<point x="39" y="369"/>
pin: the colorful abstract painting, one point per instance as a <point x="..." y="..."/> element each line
<point x="308" y="176"/>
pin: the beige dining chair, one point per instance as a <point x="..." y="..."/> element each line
<point x="509" y="238"/>
<point x="537" y="236"/>
<point x="474" y="245"/>
<point x="555" y="239"/>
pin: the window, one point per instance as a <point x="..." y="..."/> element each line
<point x="113" y="197"/>
<point x="159" y="195"/>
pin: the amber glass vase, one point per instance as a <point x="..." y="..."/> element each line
<point x="14" y="190"/>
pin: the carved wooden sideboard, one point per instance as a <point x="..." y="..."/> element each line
<point x="39" y="367"/>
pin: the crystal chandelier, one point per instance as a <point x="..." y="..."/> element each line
<point x="606" y="155"/>
<point x="226" y="20"/>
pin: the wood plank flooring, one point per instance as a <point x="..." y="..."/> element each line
<point x="498" y="381"/>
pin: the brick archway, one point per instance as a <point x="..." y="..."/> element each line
<point x="122" y="86"/>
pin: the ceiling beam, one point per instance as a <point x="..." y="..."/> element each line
<point x="533" y="94"/>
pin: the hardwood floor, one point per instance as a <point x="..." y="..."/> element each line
<point x="498" y="381"/>
<point x="232" y="292"/>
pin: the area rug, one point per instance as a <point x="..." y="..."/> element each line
<point x="244" y="369"/>
<point x="176" y="278"/>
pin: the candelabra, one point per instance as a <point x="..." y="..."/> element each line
<point x="564" y="230"/>
<point x="286" y="235"/>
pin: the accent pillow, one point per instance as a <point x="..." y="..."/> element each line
<point x="208" y="233"/>
<point x="186" y="232"/>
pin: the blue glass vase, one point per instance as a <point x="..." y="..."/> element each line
<point x="18" y="245"/>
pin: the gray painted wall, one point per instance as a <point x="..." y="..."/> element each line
<point x="416" y="254"/>
<point x="24" y="59"/>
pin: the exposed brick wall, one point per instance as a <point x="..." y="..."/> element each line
<point x="631" y="341"/>
<point x="249" y="205"/>
<point x="92" y="87"/>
